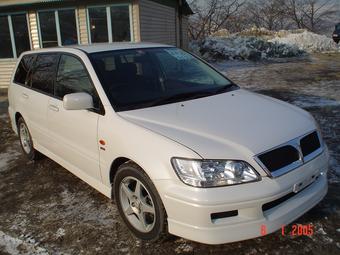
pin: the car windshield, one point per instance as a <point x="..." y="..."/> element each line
<point x="139" y="78"/>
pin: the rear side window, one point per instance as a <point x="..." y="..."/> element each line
<point x="44" y="73"/>
<point x="24" y="67"/>
<point x="72" y="77"/>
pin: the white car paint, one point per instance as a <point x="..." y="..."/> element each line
<point x="234" y="125"/>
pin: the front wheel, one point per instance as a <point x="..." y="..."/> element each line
<point x="26" y="141"/>
<point x="139" y="203"/>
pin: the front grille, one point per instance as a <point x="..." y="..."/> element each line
<point x="310" y="143"/>
<point x="290" y="155"/>
<point x="279" y="158"/>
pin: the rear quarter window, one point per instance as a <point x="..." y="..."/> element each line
<point x="23" y="70"/>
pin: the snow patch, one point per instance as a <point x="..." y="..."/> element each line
<point x="60" y="232"/>
<point x="7" y="157"/>
<point x="16" y="246"/>
<point x="242" y="48"/>
<point x="258" y="43"/>
<point x="307" y="102"/>
<point x="308" y="41"/>
<point x="334" y="170"/>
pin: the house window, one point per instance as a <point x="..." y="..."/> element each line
<point x="120" y="23"/>
<point x="20" y="31"/>
<point x="110" y="23"/>
<point x="14" y="35"/>
<point x="98" y="24"/>
<point x="58" y="27"/>
<point x="68" y="27"/>
<point x="48" y="30"/>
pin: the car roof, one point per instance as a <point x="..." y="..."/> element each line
<point x="100" y="47"/>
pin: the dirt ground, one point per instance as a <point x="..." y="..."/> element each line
<point x="44" y="209"/>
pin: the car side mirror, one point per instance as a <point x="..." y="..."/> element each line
<point x="78" y="101"/>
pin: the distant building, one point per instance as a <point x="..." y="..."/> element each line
<point x="26" y="25"/>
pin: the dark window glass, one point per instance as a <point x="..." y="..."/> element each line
<point x="98" y="24"/>
<point x="72" y="77"/>
<point x="48" y="29"/>
<point x="24" y="68"/>
<point x="140" y="78"/>
<point x="5" y="39"/>
<point x="337" y="27"/>
<point x="68" y="27"/>
<point x="20" y="30"/>
<point x="44" y="72"/>
<point x="120" y="22"/>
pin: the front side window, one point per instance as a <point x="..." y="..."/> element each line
<point x="58" y="28"/>
<point x="44" y="71"/>
<point x="139" y="78"/>
<point x="24" y="68"/>
<point x="109" y="24"/>
<point x="72" y="77"/>
<point x="14" y="36"/>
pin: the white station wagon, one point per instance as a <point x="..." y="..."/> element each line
<point x="177" y="145"/>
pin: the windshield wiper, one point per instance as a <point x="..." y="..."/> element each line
<point x="189" y="96"/>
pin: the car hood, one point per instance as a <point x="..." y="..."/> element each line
<point x="233" y="125"/>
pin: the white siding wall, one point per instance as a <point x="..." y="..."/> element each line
<point x="6" y="69"/>
<point x="185" y="38"/>
<point x="157" y="23"/>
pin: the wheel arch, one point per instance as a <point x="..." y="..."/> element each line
<point x="17" y="117"/>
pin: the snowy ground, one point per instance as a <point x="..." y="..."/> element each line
<point x="44" y="209"/>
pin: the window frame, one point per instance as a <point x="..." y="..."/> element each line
<point x="99" y="110"/>
<point x="57" y="24"/>
<point x="11" y="32"/>
<point x="108" y="20"/>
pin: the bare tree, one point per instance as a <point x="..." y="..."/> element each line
<point x="211" y="16"/>
<point x="315" y="11"/>
<point x="309" y="14"/>
<point x="269" y="14"/>
<point x="294" y="11"/>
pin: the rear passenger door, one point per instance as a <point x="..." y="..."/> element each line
<point x="40" y="80"/>
<point x="74" y="132"/>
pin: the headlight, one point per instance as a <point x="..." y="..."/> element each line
<point x="213" y="173"/>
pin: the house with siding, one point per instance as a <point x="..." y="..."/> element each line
<point x="33" y="24"/>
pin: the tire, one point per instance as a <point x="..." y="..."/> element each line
<point x="138" y="203"/>
<point x="26" y="141"/>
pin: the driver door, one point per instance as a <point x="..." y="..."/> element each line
<point x="74" y="132"/>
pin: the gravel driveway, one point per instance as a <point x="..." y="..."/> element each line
<point x="44" y="209"/>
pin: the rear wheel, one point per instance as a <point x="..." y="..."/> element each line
<point x="26" y="141"/>
<point x="139" y="203"/>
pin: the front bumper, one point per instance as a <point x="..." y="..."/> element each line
<point x="189" y="209"/>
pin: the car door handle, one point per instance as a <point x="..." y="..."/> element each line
<point x="53" y="108"/>
<point x="24" y="95"/>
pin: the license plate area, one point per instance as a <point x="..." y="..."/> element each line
<point x="297" y="187"/>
